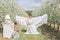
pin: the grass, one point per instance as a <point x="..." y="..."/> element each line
<point x="31" y="37"/>
<point x="46" y="33"/>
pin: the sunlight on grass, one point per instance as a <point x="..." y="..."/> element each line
<point x="31" y="37"/>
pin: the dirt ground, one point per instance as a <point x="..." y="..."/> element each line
<point x="1" y="38"/>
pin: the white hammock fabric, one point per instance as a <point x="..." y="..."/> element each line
<point x="37" y="22"/>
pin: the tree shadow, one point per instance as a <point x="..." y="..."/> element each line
<point x="48" y="32"/>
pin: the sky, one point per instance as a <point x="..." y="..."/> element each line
<point x="29" y="4"/>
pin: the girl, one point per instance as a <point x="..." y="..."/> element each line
<point x="31" y="28"/>
<point x="16" y="30"/>
<point x="8" y="28"/>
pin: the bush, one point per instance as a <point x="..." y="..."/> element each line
<point x="23" y="29"/>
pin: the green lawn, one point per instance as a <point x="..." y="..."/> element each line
<point x="31" y="37"/>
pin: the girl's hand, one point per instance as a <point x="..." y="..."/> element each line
<point x="29" y="24"/>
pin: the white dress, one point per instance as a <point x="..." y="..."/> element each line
<point x="16" y="35"/>
<point x="31" y="29"/>
<point x="8" y="29"/>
